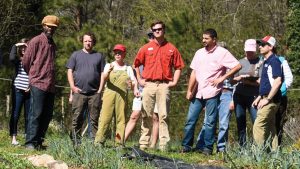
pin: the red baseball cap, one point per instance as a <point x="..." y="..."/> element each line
<point x="268" y="39"/>
<point x="120" y="47"/>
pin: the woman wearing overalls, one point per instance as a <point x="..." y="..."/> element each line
<point x="119" y="78"/>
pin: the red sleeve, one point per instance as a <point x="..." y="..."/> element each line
<point x="178" y="61"/>
<point x="140" y="58"/>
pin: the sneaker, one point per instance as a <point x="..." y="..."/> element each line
<point x="152" y="147"/>
<point x="221" y="151"/>
<point x="41" y="147"/>
<point x="30" y="147"/>
<point x="186" y="150"/>
<point x="15" y="143"/>
<point x="163" y="148"/>
<point x="204" y="151"/>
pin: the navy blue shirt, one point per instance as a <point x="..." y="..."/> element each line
<point x="271" y="70"/>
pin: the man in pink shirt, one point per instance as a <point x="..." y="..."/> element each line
<point x="208" y="72"/>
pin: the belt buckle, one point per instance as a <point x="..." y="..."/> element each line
<point x="157" y="82"/>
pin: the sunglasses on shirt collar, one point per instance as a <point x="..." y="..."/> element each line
<point x="150" y="36"/>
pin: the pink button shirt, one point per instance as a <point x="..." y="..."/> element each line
<point x="210" y="65"/>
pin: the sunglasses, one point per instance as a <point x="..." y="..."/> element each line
<point x="158" y="29"/>
<point x="118" y="52"/>
<point x="263" y="44"/>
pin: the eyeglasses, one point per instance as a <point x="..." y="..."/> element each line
<point x="158" y="29"/>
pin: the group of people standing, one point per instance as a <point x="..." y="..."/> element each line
<point x="253" y="83"/>
<point x="102" y="88"/>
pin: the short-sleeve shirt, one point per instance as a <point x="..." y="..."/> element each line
<point x="159" y="60"/>
<point x="210" y="65"/>
<point x="125" y="67"/>
<point x="271" y="70"/>
<point x="249" y="67"/>
<point x="87" y="69"/>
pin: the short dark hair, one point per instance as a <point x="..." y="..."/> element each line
<point x="158" y="22"/>
<point x="211" y="32"/>
<point x="90" y="34"/>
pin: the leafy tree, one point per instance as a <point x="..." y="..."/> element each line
<point x="293" y="39"/>
<point x="18" y="19"/>
<point x="127" y="21"/>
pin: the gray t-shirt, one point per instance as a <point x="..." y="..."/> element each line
<point x="87" y="69"/>
<point x="252" y="68"/>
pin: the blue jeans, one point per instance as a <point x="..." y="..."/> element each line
<point x="211" y="112"/>
<point x="40" y="115"/>
<point x="224" y="119"/>
<point x="20" y="98"/>
<point x="241" y="104"/>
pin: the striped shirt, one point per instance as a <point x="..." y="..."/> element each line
<point x="22" y="80"/>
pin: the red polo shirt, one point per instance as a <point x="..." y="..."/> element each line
<point x="158" y="61"/>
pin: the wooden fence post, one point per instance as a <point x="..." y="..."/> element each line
<point x="7" y="105"/>
<point x="62" y="109"/>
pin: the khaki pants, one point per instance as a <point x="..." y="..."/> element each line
<point x="264" y="127"/>
<point x="155" y="93"/>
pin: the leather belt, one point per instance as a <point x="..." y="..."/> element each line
<point x="271" y="100"/>
<point x="227" y="90"/>
<point x="158" y="81"/>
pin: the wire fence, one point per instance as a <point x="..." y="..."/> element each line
<point x="62" y="114"/>
<point x="176" y="118"/>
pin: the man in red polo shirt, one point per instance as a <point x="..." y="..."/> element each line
<point x="159" y="57"/>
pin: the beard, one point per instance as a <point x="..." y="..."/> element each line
<point x="48" y="33"/>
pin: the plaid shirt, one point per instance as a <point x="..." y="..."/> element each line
<point x="38" y="62"/>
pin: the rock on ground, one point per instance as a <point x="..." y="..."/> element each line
<point x="46" y="160"/>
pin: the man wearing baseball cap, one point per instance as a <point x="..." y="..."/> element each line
<point x="38" y="62"/>
<point x="269" y="97"/>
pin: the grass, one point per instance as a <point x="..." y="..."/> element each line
<point x="12" y="157"/>
<point x="88" y="155"/>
